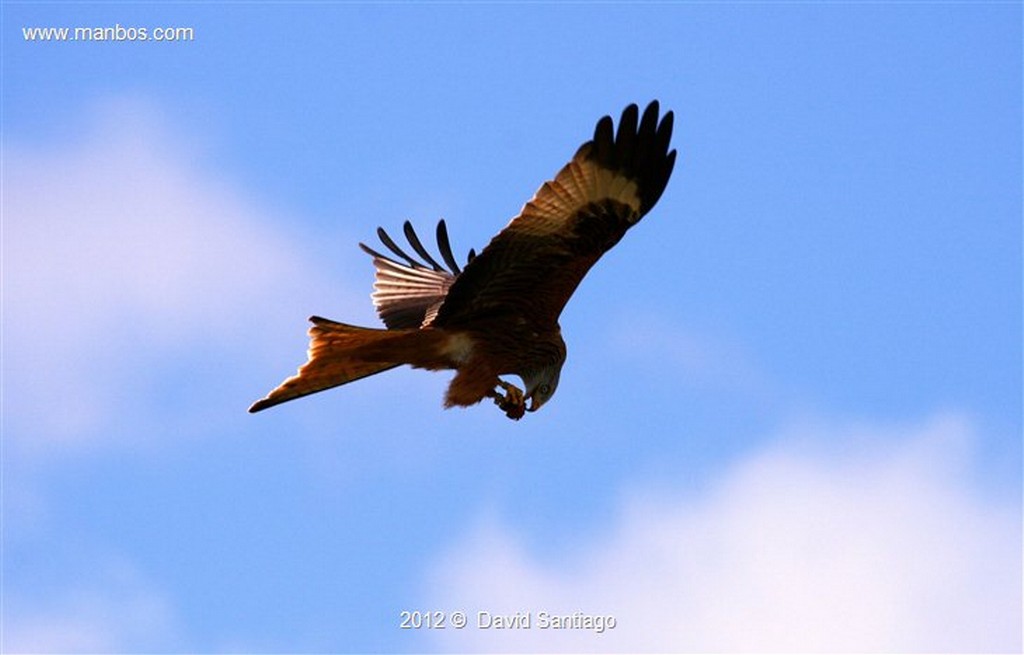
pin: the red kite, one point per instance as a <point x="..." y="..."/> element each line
<point x="499" y="315"/>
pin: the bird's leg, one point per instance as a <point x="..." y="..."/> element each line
<point x="513" y="403"/>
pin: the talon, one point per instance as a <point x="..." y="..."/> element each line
<point x="513" y="403"/>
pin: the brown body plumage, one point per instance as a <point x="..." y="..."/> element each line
<point x="499" y="316"/>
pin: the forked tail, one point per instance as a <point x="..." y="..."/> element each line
<point x="340" y="353"/>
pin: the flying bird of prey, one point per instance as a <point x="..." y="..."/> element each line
<point x="499" y="314"/>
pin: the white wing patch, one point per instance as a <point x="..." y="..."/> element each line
<point x="579" y="183"/>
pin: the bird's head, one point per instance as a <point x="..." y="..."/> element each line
<point x="541" y="384"/>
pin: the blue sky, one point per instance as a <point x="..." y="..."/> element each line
<point x="791" y="413"/>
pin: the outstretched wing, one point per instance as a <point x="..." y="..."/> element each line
<point x="531" y="268"/>
<point x="408" y="293"/>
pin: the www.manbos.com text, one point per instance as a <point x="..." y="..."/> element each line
<point x="111" y="34"/>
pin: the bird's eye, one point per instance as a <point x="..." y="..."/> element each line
<point x="544" y="389"/>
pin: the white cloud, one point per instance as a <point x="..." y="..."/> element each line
<point x="121" y="255"/>
<point x="115" y="611"/>
<point x="874" y="543"/>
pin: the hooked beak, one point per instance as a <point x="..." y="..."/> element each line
<point x="534" y="405"/>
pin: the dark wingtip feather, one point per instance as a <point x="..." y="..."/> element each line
<point x="659" y="188"/>
<point x="370" y="251"/>
<point x="625" y="138"/>
<point x="639" y="149"/>
<point x="664" y="134"/>
<point x="649" y="122"/>
<point x="445" y="246"/>
<point x="390" y="244"/>
<point x="414" y="241"/>
<point x="604" y="142"/>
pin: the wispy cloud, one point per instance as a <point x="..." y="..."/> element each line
<point x="122" y="255"/>
<point x="130" y="274"/>
<point x="810" y="545"/>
